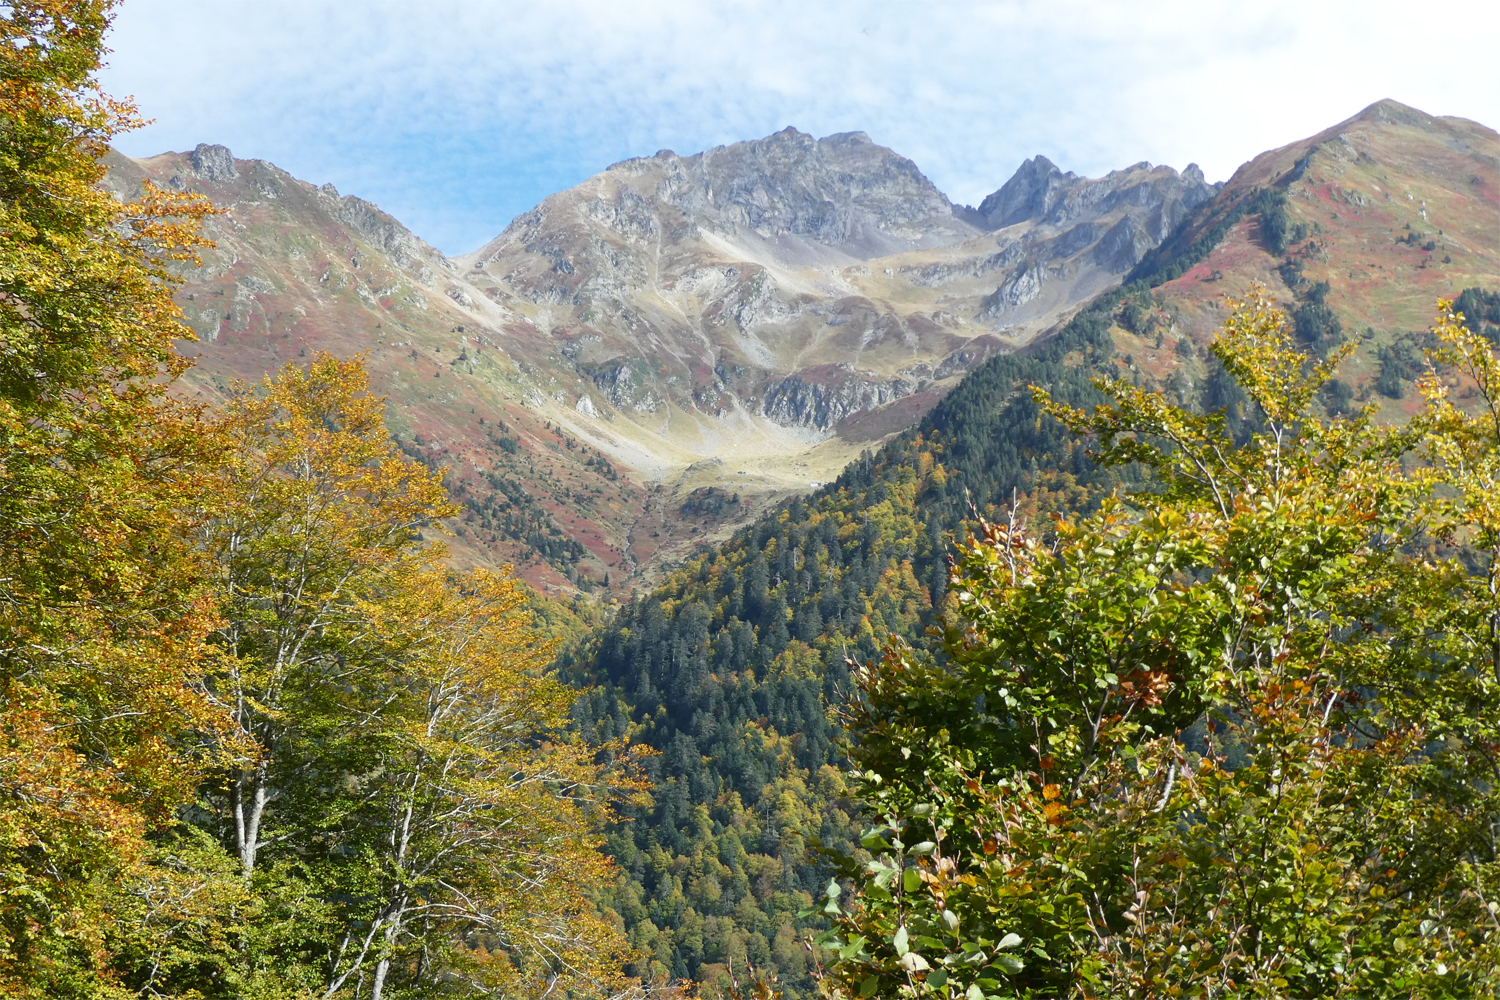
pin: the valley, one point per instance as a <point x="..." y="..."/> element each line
<point x="746" y="320"/>
<point x="758" y="392"/>
<point x="750" y="572"/>
<point x="739" y="666"/>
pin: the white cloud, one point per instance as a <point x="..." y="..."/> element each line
<point x="456" y="116"/>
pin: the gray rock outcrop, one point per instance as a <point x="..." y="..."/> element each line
<point x="213" y="162"/>
<point x="1040" y="192"/>
<point x="821" y="397"/>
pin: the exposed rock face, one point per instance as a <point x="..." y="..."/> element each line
<point x="1020" y="288"/>
<point x="1122" y="246"/>
<point x="785" y="259"/>
<point x="390" y="236"/>
<point x="1029" y="194"/>
<point x="821" y="397"/>
<point x="1040" y="192"/>
<point x="213" y="162"/>
<point x="843" y="192"/>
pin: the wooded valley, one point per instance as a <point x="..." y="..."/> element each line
<point x="1083" y="686"/>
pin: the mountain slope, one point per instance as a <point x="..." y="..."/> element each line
<point x="298" y="269"/>
<point x="729" y="668"/>
<point x="1375" y="219"/>
<point x="649" y="359"/>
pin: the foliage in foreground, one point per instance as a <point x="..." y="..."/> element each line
<point x="1317" y="607"/>
<point x="102" y="620"/>
<point x="414" y="818"/>
<point x="255" y="741"/>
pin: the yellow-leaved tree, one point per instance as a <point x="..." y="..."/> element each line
<point x="317" y="516"/>
<point x="102" y="616"/>
<point x="416" y="814"/>
<point x="480" y="812"/>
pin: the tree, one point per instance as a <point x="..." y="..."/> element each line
<point x="476" y="810"/>
<point x="317" y="513"/>
<point x="102" y="616"/>
<point x="1301" y="609"/>
<point x="413" y="797"/>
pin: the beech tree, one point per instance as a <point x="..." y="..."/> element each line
<point x="103" y="618"/>
<point x="478" y="813"/>
<point x="1232" y="738"/>
<point x="316" y="514"/>
<point x="414" y="817"/>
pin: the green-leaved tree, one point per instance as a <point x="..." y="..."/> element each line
<point x="1236" y="737"/>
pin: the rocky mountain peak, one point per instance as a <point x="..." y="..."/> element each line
<point x="1040" y="192"/>
<point x="1029" y="194"/>
<point x="213" y="162"/>
<point x="842" y="191"/>
<point x="1387" y="110"/>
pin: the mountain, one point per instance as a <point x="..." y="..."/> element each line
<point x="733" y="666"/>
<point x="799" y="285"/>
<point x="654" y="357"/>
<point x="678" y="350"/>
<point x="1366" y="225"/>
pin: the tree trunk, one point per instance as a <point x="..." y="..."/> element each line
<point x="247" y="823"/>
<point x="392" y="931"/>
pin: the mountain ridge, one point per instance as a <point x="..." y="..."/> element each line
<point x="688" y="323"/>
<point x="660" y="315"/>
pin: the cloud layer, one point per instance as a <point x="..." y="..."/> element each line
<point x="455" y="117"/>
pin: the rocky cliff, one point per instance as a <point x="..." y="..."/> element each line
<point x="714" y="282"/>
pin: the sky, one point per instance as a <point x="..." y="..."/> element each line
<point x="457" y="116"/>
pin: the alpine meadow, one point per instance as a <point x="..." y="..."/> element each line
<point x="749" y="575"/>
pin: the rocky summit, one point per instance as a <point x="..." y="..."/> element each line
<point x="648" y="359"/>
<point x="794" y="284"/>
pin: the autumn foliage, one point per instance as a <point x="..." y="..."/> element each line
<point x="103" y="613"/>
<point x="1234" y="736"/>
<point x="255" y="741"/>
<point x="1231" y="732"/>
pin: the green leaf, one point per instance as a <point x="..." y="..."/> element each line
<point x="870" y="984"/>
<point x="1010" y="963"/>
<point x="1009" y="941"/>
<point x="900" y="941"/>
<point x="911" y="880"/>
